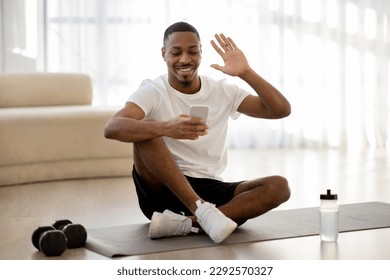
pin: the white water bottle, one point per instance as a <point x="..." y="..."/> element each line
<point x="329" y="217"/>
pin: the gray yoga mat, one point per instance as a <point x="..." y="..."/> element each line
<point x="133" y="239"/>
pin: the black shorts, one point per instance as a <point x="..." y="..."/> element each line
<point x="213" y="191"/>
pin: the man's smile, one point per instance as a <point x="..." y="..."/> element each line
<point x="185" y="68"/>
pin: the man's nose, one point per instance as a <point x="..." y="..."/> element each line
<point x="185" y="58"/>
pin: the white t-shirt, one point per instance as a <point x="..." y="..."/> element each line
<point x="205" y="157"/>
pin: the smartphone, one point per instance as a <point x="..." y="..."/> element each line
<point x="199" y="111"/>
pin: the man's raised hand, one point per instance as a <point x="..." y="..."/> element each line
<point x="235" y="61"/>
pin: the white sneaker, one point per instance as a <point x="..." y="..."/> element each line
<point x="214" y="222"/>
<point x="168" y="224"/>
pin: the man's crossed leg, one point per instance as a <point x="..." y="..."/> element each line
<point x="157" y="168"/>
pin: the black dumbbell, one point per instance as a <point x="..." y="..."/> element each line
<point x="50" y="241"/>
<point x="76" y="234"/>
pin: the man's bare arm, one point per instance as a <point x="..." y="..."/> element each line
<point x="130" y="125"/>
<point x="269" y="102"/>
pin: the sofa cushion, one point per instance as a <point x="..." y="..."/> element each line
<point x="44" y="89"/>
<point x="64" y="170"/>
<point x="47" y="134"/>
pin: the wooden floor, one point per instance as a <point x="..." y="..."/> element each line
<point x="355" y="176"/>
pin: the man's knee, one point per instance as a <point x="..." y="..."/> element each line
<point x="154" y="143"/>
<point x="281" y="189"/>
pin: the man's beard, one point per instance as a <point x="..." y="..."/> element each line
<point x="185" y="84"/>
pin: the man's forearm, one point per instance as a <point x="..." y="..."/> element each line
<point x="132" y="130"/>
<point x="271" y="98"/>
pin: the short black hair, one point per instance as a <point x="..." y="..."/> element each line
<point x="180" y="26"/>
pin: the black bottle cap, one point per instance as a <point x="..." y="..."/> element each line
<point x="328" y="196"/>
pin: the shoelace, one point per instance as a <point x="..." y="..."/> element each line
<point x="180" y="221"/>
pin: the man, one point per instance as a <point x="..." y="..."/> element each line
<point x="178" y="159"/>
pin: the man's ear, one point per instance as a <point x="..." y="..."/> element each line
<point x="163" y="53"/>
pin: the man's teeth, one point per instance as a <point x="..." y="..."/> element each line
<point x="185" y="69"/>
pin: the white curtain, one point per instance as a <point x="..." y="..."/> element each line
<point x="329" y="57"/>
<point x="19" y="35"/>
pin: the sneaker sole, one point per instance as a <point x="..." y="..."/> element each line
<point x="153" y="228"/>
<point x="225" y="234"/>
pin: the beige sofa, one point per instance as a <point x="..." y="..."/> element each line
<point x="50" y="131"/>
